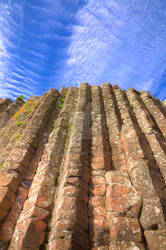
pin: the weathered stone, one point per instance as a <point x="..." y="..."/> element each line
<point x="96" y="211"/>
<point x="100" y="248"/>
<point x="156" y="110"/>
<point x="31" y="235"/>
<point x="42" y="196"/>
<point x="3" y="245"/>
<point x="10" y="180"/>
<point x="8" y="225"/>
<point x="4" y="103"/>
<point x="152" y="213"/>
<point x="140" y="171"/>
<point x="10" y="111"/>
<point x="152" y="137"/>
<point x="156" y="239"/>
<point x="121" y="196"/>
<point x="124" y="228"/>
<point x="97" y="190"/>
<point x="72" y="179"/>
<point x="59" y="244"/>
<point x="3" y="213"/>
<point x="85" y="170"/>
<point x="35" y="212"/>
<point x="126" y="245"/>
<point x="7" y="198"/>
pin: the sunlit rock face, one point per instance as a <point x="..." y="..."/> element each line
<point x="83" y="168"/>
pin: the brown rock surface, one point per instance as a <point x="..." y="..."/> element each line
<point x="83" y="168"/>
<point x="156" y="239"/>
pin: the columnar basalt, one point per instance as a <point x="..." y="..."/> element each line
<point x="83" y="168"/>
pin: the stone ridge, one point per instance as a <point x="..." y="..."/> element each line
<point x="83" y="168"/>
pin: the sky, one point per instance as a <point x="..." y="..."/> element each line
<point x="53" y="43"/>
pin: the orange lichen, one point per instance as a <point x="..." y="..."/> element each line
<point x="26" y="108"/>
<point x="115" y="86"/>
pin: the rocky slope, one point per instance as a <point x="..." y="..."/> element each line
<point x="83" y="168"/>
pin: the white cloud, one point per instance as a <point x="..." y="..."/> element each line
<point x="13" y="75"/>
<point x="5" y="56"/>
<point x="118" y="41"/>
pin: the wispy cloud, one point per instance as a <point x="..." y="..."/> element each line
<point x="30" y="34"/>
<point x="8" y="28"/>
<point x="52" y="43"/>
<point x="118" y="41"/>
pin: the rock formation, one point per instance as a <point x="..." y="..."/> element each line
<point x="83" y="168"/>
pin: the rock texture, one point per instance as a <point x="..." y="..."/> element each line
<point x="83" y="168"/>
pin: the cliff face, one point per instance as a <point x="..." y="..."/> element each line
<point x="83" y="169"/>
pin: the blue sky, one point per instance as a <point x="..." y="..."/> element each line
<point x="55" y="43"/>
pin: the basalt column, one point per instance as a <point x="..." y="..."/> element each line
<point x="83" y="169"/>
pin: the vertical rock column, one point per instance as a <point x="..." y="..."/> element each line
<point x="18" y="162"/>
<point x="4" y="103"/>
<point x="149" y="127"/>
<point x="11" y="133"/>
<point x="122" y="201"/>
<point x="69" y="222"/>
<point x="37" y="207"/>
<point x="10" y="111"/>
<point x="151" y="213"/>
<point x="114" y="124"/>
<point x="157" y="163"/>
<point x="100" y="163"/>
<point x="155" y="111"/>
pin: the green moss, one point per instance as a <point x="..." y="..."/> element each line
<point x="122" y="119"/>
<point x="62" y="100"/>
<point x="34" y="104"/>
<point x="131" y="106"/>
<point x="28" y="111"/>
<point x="65" y="93"/>
<point x="17" y="136"/>
<point x="22" y="97"/>
<point x="70" y="125"/>
<point x="22" y="110"/>
<point x="26" y="108"/>
<point x="60" y="106"/>
<point x="27" y="104"/>
<point x="1" y="164"/>
<point x="20" y="123"/>
<point x="45" y="246"/>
